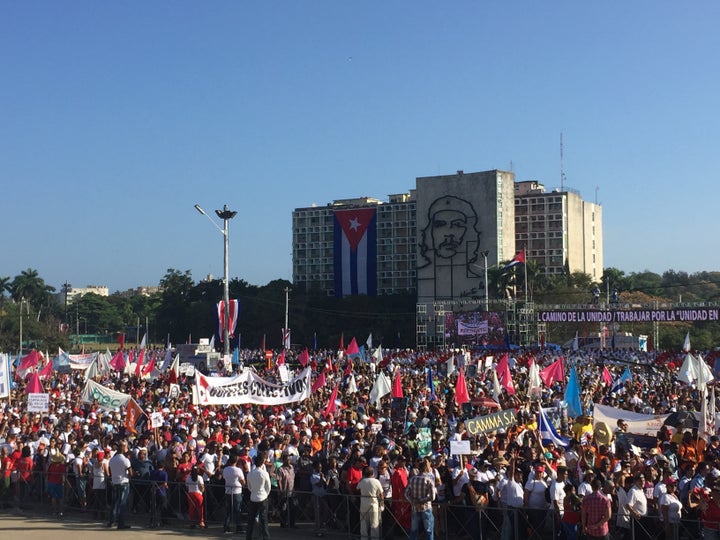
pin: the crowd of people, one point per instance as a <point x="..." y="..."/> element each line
<point x="377" y="467"/>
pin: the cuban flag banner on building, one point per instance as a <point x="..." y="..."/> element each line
<point x="355" y="258"/>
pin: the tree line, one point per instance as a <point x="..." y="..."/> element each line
<point x="185" y="310"/>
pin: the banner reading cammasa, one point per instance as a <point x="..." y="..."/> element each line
<point x="248" y="387"/>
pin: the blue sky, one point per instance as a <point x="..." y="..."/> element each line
<point x="118" y="117"/>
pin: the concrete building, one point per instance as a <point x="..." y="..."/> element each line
<point x="76" y="292"/>
<point x="437" y="241"/>
<point x="389" y="263"/>
<point x="558" y="228"/>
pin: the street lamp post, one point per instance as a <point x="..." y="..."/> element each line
<point x="226" y="215"/>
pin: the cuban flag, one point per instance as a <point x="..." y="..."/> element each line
<point x="548" y="433"/>
<point x="355" y="258"/>
<point x="622" y="381"/>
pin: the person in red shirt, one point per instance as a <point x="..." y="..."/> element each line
<point x="710" y="514"/>
<point x="23" y="466"/>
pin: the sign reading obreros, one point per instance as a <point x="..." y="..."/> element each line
<point x="491" y="422"/>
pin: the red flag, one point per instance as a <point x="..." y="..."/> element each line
<point x="47" y="370"/>
<point x="29" y="361"/>
<point x="303" y="357"/>
<point x="397" y="390"/>
<point x="34" y="386"/>
<point x="121" y="340"/>
<point x="319" y="383"/>
<point x="504" y="376"/>
<point x="352" y="348"/>
<point x="280" y="359"/>
<point x="461" y="391"/>
<point x="149" y="366"/>
<point x="331" y="406"/>
<point x="348" y="366"/>
<point x="554" y="372"/>
<point x="606" y="377"/>
<point x="118" y="361"/>
<point x="140" y="360"/>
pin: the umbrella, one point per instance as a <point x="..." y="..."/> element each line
<point x="682" y="420"/>
<point x="486" y="402"/>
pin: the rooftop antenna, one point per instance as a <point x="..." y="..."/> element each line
<point x="562" y="171"/>
<point x="596" y="191"/>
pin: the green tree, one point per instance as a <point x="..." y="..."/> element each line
<point x="30" y="286"/>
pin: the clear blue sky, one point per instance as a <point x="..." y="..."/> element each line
<point x="117" y="117"/>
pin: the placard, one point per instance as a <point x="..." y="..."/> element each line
<point x="460" y="448"/>
<point x="156" y="420"/>
<point x="38" y="402"/>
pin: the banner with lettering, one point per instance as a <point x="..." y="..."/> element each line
<point x="643" y="424"/>
<point x="107" y="398"/>
<point x="491" y="422"/>
<point x="248" y="387"/>
<point x="629" y="315"/>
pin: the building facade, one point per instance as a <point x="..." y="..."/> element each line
<point x="438" y="241"/>
<point x="330" y="253"/>
<point x="558" y="229"/>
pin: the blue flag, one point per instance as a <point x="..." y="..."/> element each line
<point x="572" y="395"/>
<point x="430" y="384"/>
<point x="236" y="357"/>
<point x="315" y="341"/>
<point x="548" y="433"/>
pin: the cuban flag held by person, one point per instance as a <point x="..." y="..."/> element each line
<point x="355" y="259"/>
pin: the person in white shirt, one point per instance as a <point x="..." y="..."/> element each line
<point x="511" y="499"/>
<point x="234" y="481"/>
<point x="371" y="497"/>
<point x="671" y="509"/>
<point x="258" y="482"/>
<point x="637" y="504"/>
<point x="120" y="472"/>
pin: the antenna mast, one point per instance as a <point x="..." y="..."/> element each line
<point x="562" y="171"/>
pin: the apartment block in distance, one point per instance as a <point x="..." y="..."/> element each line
<point x="558" y="228"/>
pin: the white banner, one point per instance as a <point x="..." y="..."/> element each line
<point x="248" y="387"/>
<point x="4" y="376"/>
<point x="81" y="361"/>
<point x="106" y="398"/>
<point x="472" y="328"/>
<point x="641" y="424"/>
<point x="38" y="402"/>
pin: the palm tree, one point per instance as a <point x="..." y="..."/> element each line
<point x="30" y="286"/>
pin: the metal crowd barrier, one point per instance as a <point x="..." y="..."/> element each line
<point x="334" y="514"/>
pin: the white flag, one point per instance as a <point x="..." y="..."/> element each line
<point x="380" y="388"/>
<point x="368" y="342"/>
<point x="686" y="344"/>
<point x="143" y="343"/>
